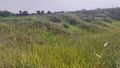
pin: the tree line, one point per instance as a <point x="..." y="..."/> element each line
<point x="111" y="12"/>
<point x="25" y="13"/>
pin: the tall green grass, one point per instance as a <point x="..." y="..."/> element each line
<point x="25" y="45"/>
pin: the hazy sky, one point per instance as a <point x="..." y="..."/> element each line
<point x="56" y="5"/>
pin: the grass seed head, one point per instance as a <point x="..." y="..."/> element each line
<point x="98" y="55"/>
<point x="105" y="44"/>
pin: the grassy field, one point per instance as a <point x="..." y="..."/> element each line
<point x="58" y="41"/>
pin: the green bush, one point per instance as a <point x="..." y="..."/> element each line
<point x="88" y="19"/>
<point x="107" y="20"/>
<point x="55" y="19"/>
<point x="65" y="25"/>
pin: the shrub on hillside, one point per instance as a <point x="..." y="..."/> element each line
<point x="55" y="19"/>
<point x="107" y="20"/>
<point x="46" y="25"/>
<point x="65" y="26"/>
<point x="73" y="21"/>
<point x="88" y="19"/>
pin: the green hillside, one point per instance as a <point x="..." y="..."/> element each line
<point x="81" y="39"/>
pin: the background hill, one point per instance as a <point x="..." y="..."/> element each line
<point x="79" y="39"/>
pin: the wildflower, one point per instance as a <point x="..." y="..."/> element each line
<point x="105" y="44"/>
<point x="98" y="55"/>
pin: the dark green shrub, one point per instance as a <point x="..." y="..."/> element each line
<point x="73" y="22"/>
<point x="72" y="19"/>
<point x="88" y="19"/>
<point x="55" y="19"/>
<point x="65" y="25"/>
<point x="107" y="20"/>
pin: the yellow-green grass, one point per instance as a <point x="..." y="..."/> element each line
<point x="25" y="45"/>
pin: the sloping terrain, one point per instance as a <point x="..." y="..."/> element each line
<point x="62" y="40"/>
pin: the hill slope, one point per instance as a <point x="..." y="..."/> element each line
<point x="63" y="40"/>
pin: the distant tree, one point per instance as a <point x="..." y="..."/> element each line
<point x="83" y="10"/>
<point x="49" y="12"/>
<point x="56" y="12"/>
<point x="42" y="12"/>
<point x="24" y="13"/>
<point x="20" y="12"/>
<point x="38" y="12"/>
<point x="98" y="8"/>
<point x="5" y="13"/>
<point x="62" y="12"/>
<point x="59" y="12"/>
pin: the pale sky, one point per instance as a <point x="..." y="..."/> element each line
<point x="56" y="5"/>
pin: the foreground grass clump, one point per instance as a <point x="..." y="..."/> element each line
<point x="83" y="56"/>
<point x="26" y="44"/>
